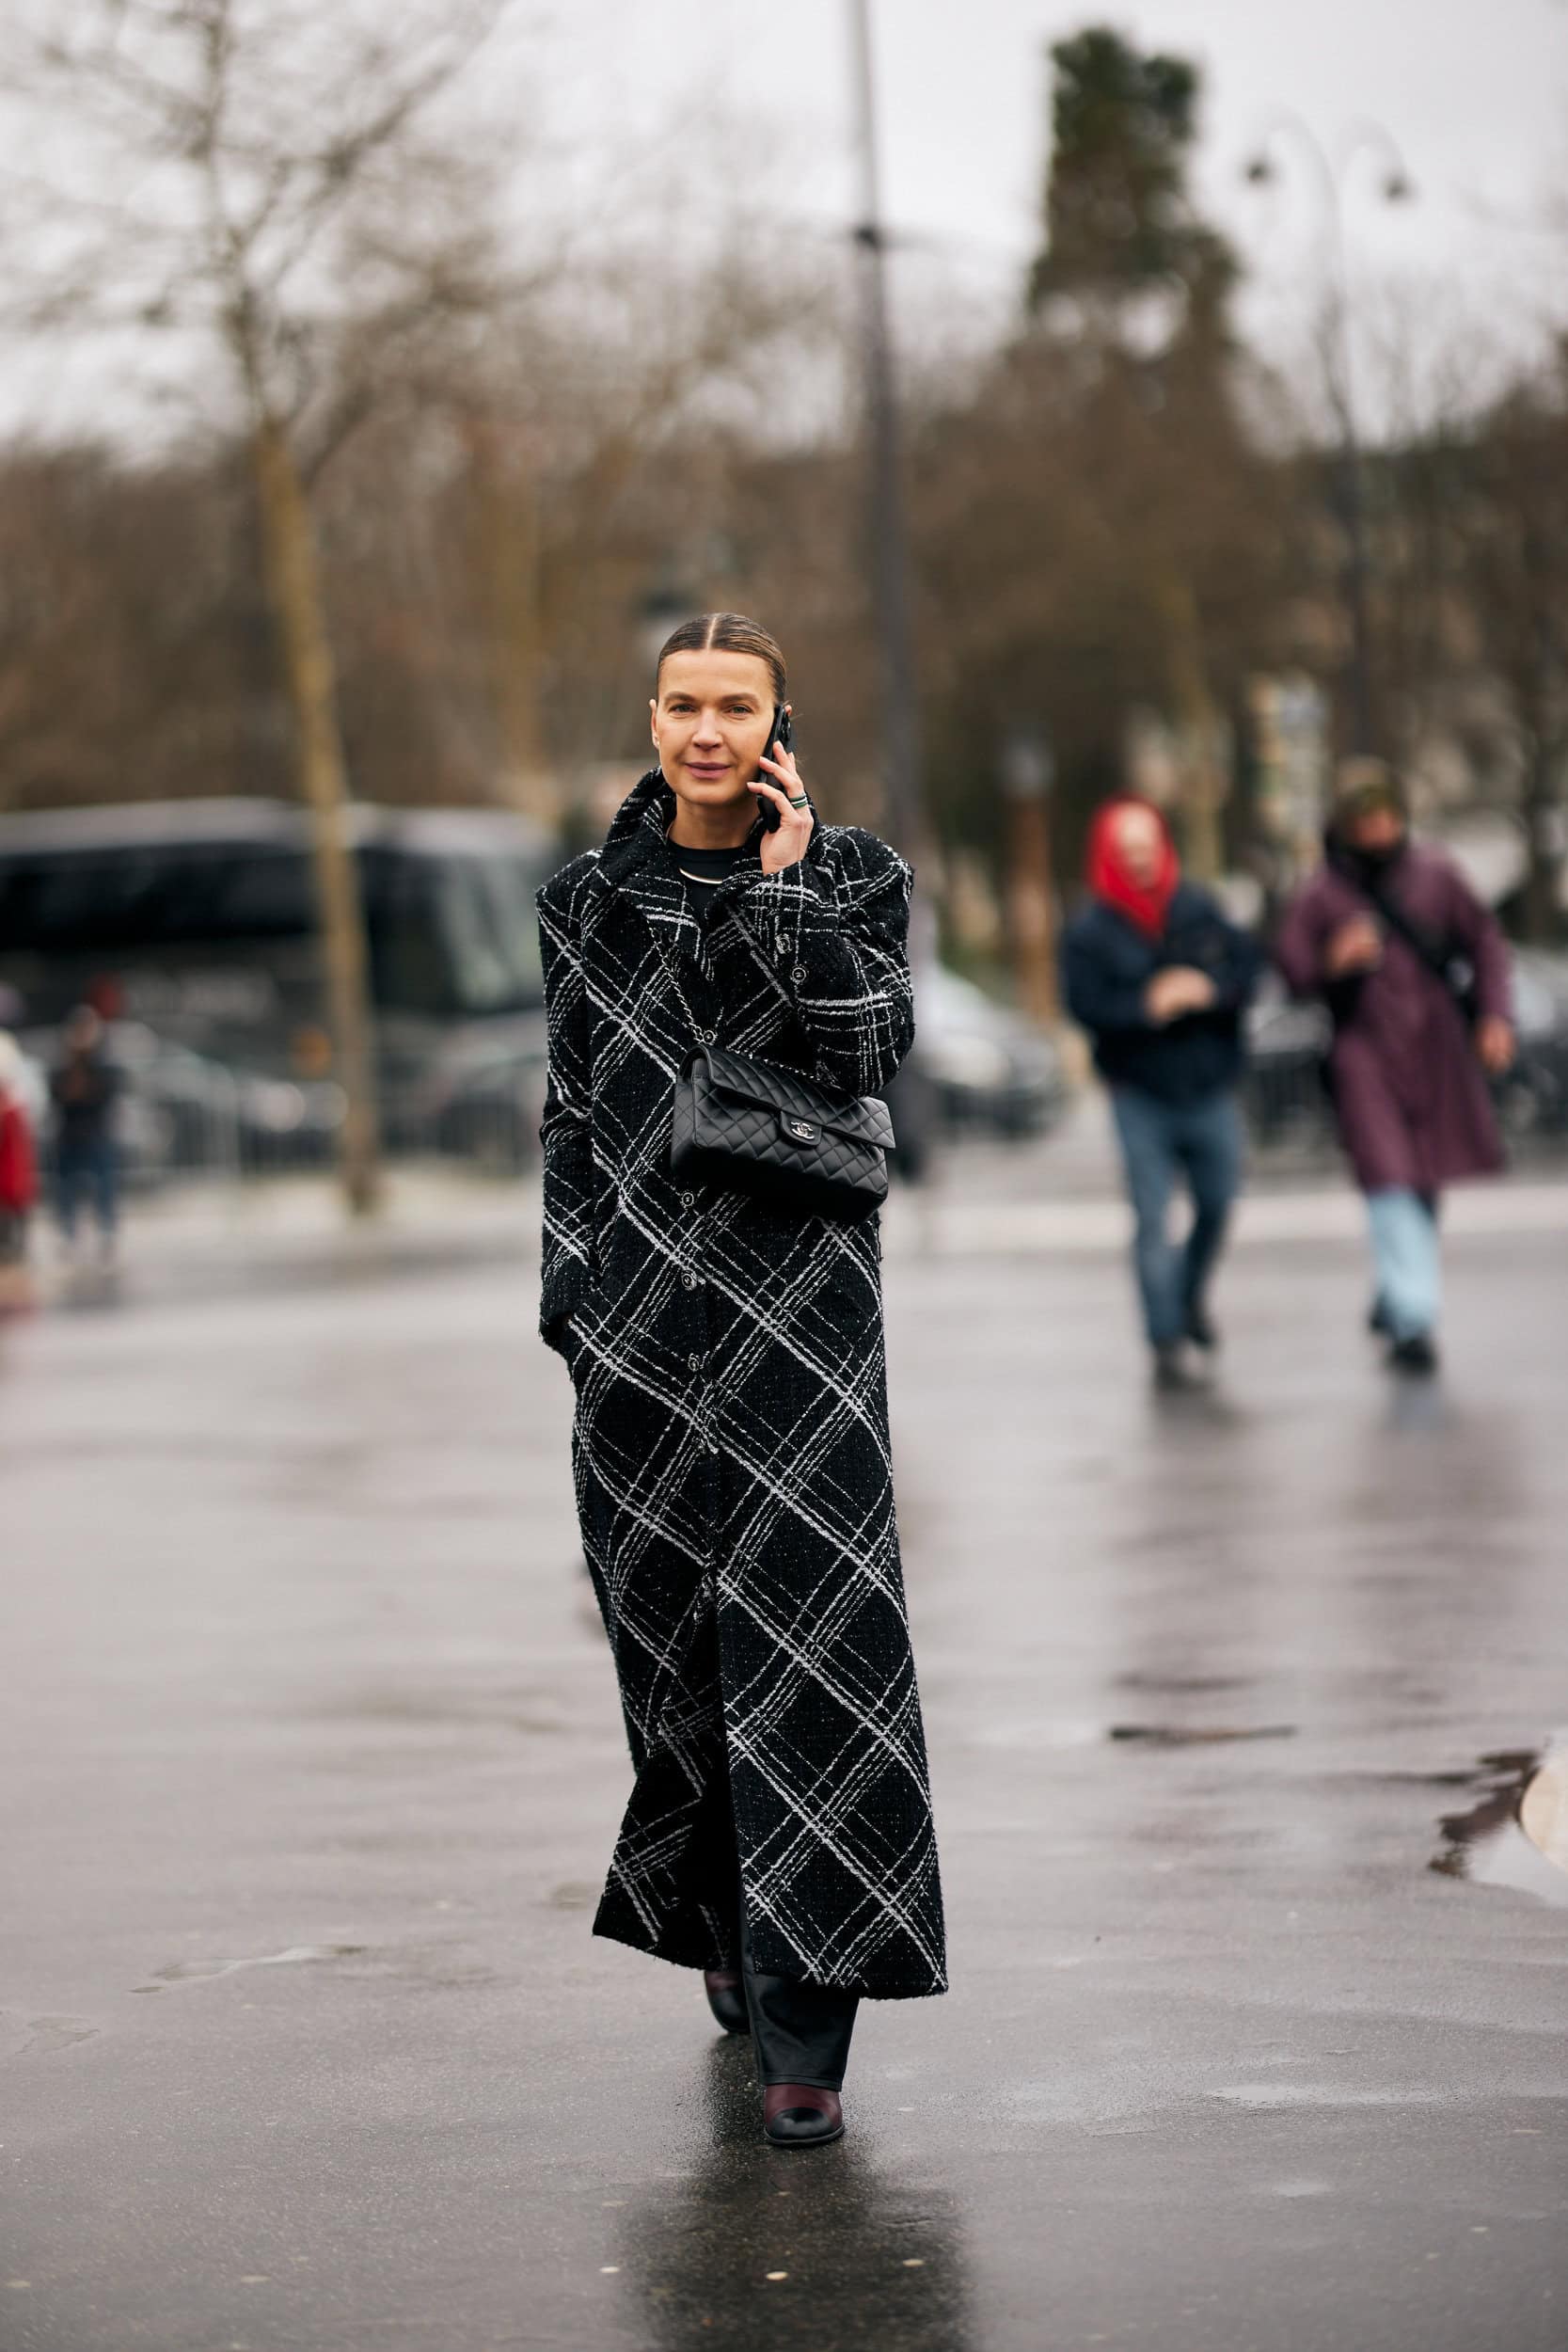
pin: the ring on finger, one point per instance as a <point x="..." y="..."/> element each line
<point x="798" y="800"/>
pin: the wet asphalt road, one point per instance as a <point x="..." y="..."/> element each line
<point x="312" y="1762"/>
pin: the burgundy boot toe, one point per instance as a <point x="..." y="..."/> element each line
<point x="800" y="2115"/>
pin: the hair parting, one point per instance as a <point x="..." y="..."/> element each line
<point x="727" y="632"/>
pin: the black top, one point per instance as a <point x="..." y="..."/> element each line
<point x="703" y="870"/>
<point x="1107" y="962"/>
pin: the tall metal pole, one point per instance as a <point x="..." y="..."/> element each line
<point x="1340" y="369"/>
<point x="1353" y="481"/>
<point x="890" y="551"/>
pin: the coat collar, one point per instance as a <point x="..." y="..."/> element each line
<point x="637" y="858"/>
<point x="636" y="854"/>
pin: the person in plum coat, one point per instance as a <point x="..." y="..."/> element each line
<point x="1414" y="973"/>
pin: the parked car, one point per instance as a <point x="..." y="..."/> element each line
<point x="1532" y="1099"/>
<point x="990" y="1068"/>
<point x="482" y="1103"/>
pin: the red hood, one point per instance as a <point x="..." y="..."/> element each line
<point x="1109" y="878"/>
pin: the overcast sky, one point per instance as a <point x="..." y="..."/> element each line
<point x="1474" y="91"/>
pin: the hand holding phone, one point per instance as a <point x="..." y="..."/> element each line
<point x="786" y="812"/>
<point x="780" y="732"/>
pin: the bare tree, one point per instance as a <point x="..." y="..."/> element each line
<point x="262" y="177"/>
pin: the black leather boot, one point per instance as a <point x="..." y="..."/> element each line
<point x="1201" y="1326"/>
<point x="801" y="2036"/>
<point x="726" y="1998"/>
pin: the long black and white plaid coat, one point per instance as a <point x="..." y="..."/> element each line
<point x="730" y="1448"/>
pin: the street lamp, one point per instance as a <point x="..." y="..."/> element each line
<point x="910" y="1097"/>
<point x="889" y="532"/>
<point x="1396" y="187"/>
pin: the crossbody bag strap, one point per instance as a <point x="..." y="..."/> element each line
<point x="1422" y="944"/>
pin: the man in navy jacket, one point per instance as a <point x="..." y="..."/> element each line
<point x="1160" y="977"/>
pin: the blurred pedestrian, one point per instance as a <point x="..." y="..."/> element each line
<point x="730" y="1445"/>
<point x="19" y="1181"/>
<point x="1160" y="977"/>
<point x="1414" y="973"/>
<point x="84" y="1089"/>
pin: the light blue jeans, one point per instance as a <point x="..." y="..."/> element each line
<point x="1405" y="1256"/>
<point x="1160" y="1142"/>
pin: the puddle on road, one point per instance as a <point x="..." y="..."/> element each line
<point x="1285" y="2095"/>
<point x="197" y="1971"/>
<point x="1087" y="1732"/>
<point x="1199" y="1735"/>
<point x="1516" y="1832"/>
<point x="1181" y="1686"/>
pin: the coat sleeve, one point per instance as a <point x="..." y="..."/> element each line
<point x="1099" y="1000"/>
<point x="841" y="954"/>
<point x="564" y="1133"/>
<point x="1475" y="930"/>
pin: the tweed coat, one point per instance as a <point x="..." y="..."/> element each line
<point x="730" y="1442"/>
<point x="1409" y="1096"/>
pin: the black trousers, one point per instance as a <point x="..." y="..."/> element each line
<point x="800" y="2032"/>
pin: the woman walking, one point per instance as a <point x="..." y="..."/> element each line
<point x="1414" y="973"/>
<point x="84" y="1088"/>
<point x="1161" y="980"/>
<point x="730" y="1446"/>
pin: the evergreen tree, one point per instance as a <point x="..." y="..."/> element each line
<point x="1118" y="218"/>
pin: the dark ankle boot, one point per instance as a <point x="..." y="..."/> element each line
<point x="1201" y="1326"/>
<point x="801" y="2034"/>
<point x="726" y="1998"/>
<point x="800" y="2115"/>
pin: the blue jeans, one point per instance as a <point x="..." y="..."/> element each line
<point x="1405" y="1257"/>
<point x="1203" y="1141"/>
<point x="89" y="1173"/>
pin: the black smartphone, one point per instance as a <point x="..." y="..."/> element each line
<point x="782" y="731"/>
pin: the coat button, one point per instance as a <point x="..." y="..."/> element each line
<point x="688" y="1281"/>
<point x="686" y="1199"/>
<point x="694" y="1363"/>
<point x="707" y="1035"/>
<point x="798" y="974"/>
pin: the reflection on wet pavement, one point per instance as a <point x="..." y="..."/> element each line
<point x="750" y="2246"/>
<point x="1516" y="1833"/>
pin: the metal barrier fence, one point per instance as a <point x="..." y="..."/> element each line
<point x="180" y="1118"/>
<point x="1289" y="1115"/>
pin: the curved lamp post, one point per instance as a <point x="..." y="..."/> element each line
<point x="1332" y="175"/>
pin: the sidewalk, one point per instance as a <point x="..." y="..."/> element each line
<point x="1060" y="1193"/>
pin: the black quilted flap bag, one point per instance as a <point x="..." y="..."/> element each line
<point x="759" y="1129"/>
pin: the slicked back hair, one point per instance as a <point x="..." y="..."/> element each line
<point x="727" y="632"/>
